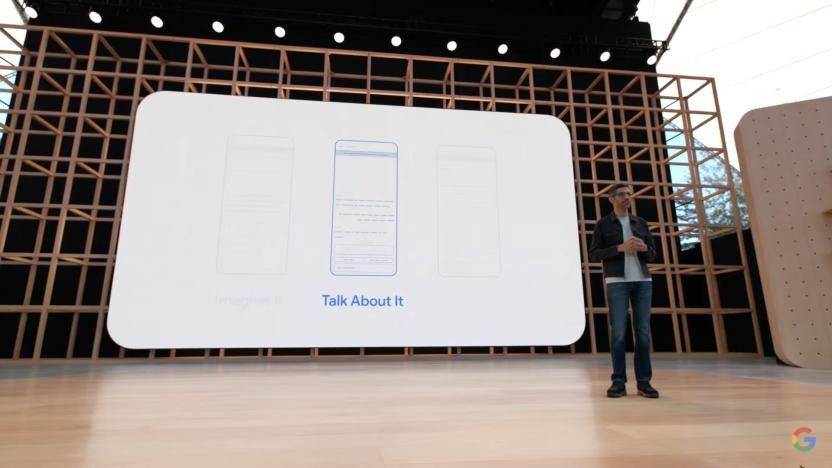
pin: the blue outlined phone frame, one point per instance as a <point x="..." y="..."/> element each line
<point x="332" y="207"/>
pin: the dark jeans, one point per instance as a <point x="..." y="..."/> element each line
<point x="619" y="295"/>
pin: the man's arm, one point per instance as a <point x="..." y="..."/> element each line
<point x="650" y="254"/>
<point x="598" y="250"/>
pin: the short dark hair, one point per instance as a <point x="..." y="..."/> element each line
<point x="617" y="186"/>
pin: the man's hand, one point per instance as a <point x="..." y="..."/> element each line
<point x="632" y="245"/>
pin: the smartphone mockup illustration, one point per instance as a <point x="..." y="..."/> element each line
<point x="468" y="221"/>
<point x="364" y="234"/>
<point x="256" y="205"/>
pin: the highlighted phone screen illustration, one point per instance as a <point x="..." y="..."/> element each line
<point x="256" y="202"/>
<point x="364" y="209"/>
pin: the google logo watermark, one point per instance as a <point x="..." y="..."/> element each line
<point x="802" y="442"/>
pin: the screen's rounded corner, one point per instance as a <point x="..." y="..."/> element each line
<point x="149" y="101"/>
<point x="581" y="329"/>
<point x="548" y="119"/>
<point x="562" y="127"/>
<point x="116" y="333"/>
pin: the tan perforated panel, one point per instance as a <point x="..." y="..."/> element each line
<point x="786" y="159"/>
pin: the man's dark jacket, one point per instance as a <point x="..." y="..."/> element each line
<point x="608" y="235"/>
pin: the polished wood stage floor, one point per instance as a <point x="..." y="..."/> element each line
<point x="497" y="412"/>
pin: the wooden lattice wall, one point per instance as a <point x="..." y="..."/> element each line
<point x="65" y="152"/>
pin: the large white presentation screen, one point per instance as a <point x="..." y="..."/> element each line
<point x="252" y="222"/>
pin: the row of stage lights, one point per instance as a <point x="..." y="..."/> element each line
<point x="338" y="37"/>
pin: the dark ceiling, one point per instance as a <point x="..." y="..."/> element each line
<point x="531" y="28"/>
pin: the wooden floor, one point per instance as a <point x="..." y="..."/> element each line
<point x="498" y="412"/>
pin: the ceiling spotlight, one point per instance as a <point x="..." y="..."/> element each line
<point x="502" y="49"/>
<point x="339" y="37"/>
<point x="605" y="55"/>
<point x="217" y="27"/>
<point x="95" y="16"/>
<point x="396" y="41"/>
<point x="157" y="22"/>
<point x="279" y="31"/>
<point x="30" y="12"/>
<point x="651" y="60"/>
<point x="452" y="45"/>
<point x="554" y="53"/>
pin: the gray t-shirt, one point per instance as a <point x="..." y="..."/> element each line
<point x="632" y="267"/>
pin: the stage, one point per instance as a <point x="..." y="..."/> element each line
<point x="420" y="412"/>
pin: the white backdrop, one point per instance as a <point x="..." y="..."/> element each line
<point x="254" y="222"/>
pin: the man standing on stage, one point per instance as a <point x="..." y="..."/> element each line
<point x="623" y="243"/>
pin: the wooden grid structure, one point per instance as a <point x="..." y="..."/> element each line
<point x="65" y="153"/>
